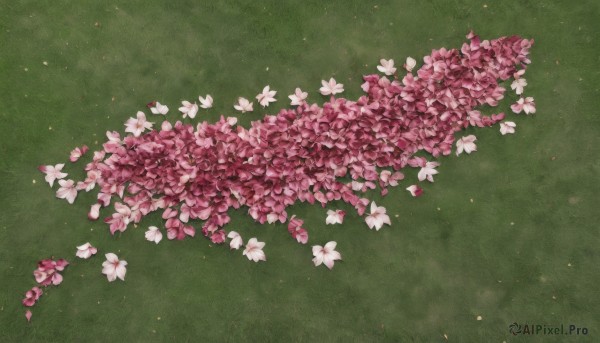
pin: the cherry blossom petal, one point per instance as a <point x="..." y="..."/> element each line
<point x="415" y="190"/>
<point x="206" y="102"/>
<point x="158" y="108"/>
<point x="254" y="250"/>
<point x="86" y="251"/>
<point x="243" y="105"/>
<point x="266" y="96"/>
<point x="153" y="234"/>
<point x="386" y="66"/>
<point x="298" y="97"/>
<point x="236" y="240"/>
<point x="507" y="127"/>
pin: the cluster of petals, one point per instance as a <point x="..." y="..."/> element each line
<point x="47" y="272"/>
<point x="32" y="296"/>
<point x="194" y="174"/>
<point x="297" y="231"/>
<point x="77" y="153"/>
<point x="526" y="105"/>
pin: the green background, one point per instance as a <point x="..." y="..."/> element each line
<point x="525" y="249"/>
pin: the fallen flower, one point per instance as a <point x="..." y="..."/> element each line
<point x="28" y="315"/>
<point x="236" y="240"/>
<point x="518" y="85"/>
<point x="53" y="173"/>
<point x="188" y="109"/>
<point x="415" y="190"/>
<point x="507" y="127"/>
<point x="331" y="87"/>
<point x="206" y="102"/>
<point x="326" y="255"/>
<point x="428" y="171"/>
<point x="67" y="190"/>
<point x="254" y="250"/>
<point x="48" y="270"/>
<point x="153" y="234"/>
<point x="527" y="105"/>
<point x="266" y="96"/>
<point x="335" y="217"/>
<point x="114" y="268"/>
<point x="86" y="251"/>
<point x="378" y="217"/>
<point x="158" y="108"/>
<point x="137" y="126"/>
<point x="466" y="144"/>
<point x="243" y="105"/>
<point x="298" y="97"/>
<point x="386" y="66"/>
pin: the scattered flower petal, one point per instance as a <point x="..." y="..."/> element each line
<point x="236" y="240"/>
<point x="335" y="217"/>
<point x="94" y="213"/>
<point x="410" y="64"/>
<point x="415" y="190"/>
<point x="86" y="251"/>
<point x="153" y="234"/>
<point x="77" y="153"/>
<point x="158" y="108"/>
<point x="206" y="102"/>
<point x="507" y="127"/>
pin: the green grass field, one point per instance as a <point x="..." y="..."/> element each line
<point x="509" y="233"/>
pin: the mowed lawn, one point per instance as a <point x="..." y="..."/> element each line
<point x="509" y="233"/>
